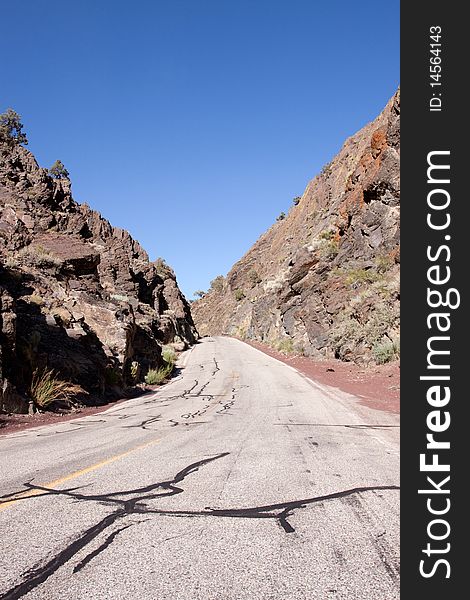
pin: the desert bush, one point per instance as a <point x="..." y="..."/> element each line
<point x="154" y="376"/>
<point x="384" y="262"/>
<point x="58" y="170"/>
<point x="157" y="376"/>
<point x="11" y="263"/>
<point x="241" y="332"/>
<point x="46" y="387"/>
<point x="169" y="355"/>
<point x="281" y="217"/>
<point x="326" y="234"/>
<point x="296" y="200"/>
<point x="328" y="249"/>
<point x="217" y="284"/>
<point x="385" y="351"/>
<point x="162" y="268"/>
<point x="199" y="293"/>
<point x="356" y="276"/>
<point x="254" y="278"/>
<point x="286" y="346"/>
<point x="354" y="327"/>
<point x="38" y="256"/>
<point x="239" y="295"/>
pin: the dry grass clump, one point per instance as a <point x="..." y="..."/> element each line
<point x="37" y="256"/>
<point x="46" y="387"/>
<point x="286" y="346"/>
<point x="158" y="376"/>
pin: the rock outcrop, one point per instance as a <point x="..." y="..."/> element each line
<point x="324" y="280"/>
<point x="77" y="295"/>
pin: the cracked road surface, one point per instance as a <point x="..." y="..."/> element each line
<point x="240" y="479"/>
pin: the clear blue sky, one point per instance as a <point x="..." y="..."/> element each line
<point x="193" y="123"/>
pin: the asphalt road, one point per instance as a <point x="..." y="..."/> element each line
<point x="241" y="479"/>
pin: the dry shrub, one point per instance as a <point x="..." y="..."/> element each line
<point x="157" y="376"/>
<point x="46" y="387"/>
<point x="38" y="256"/>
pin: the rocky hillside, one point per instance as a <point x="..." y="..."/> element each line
<point x="77" y="296"/>
<point x="324" y="280"/>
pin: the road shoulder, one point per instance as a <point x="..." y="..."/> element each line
<point x="377" y="387"/>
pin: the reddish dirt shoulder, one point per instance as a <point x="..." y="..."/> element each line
<point x="377" y="387"/>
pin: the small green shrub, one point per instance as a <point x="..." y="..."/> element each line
<point x="386" y="351"/>
<point x="281" y="217"/>
<point x="199" y="293"/>
<point x="169" y="355"/>
<point x="157" y="376"/>
<point x="46" y="387"/>
<point x="286" y="346"/>
<point x="217" y="284"/>
<point x="326" y="234"/>
<point x="58" y="171"/>
<point x="239" y="295"/>
<point x="384" y="263"/>
<point x="328" y="249"/>
<point x="162" y="268"/>
<point x="326" y="169"/>
<point x="241" y="332"/>
<point x="296" y="200"/>
<point x="354" y="328"/>
<point x="153" y="377"/>
<point x="356" y="276"/>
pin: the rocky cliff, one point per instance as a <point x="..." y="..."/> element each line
<point x="77" y="296"/>
<point x="324" y="280"/>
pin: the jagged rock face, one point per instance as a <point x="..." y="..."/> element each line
<point x="76" y="294"/>
<point x="324" y="281"/>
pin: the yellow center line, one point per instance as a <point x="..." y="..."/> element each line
<point x="75" y="474"/>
